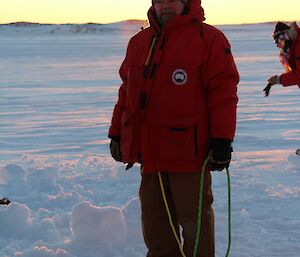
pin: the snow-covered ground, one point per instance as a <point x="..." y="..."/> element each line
<point x="58" y="85"/>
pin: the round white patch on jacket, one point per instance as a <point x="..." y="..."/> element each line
<point x="179" y="77"/>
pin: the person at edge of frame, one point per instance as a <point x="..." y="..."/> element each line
<point x="287" y="39"/>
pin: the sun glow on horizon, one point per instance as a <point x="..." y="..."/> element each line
<point x="100" y="11"/>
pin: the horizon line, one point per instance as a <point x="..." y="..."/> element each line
<point x="135" y="20"/>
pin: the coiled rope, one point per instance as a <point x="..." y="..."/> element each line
<point x="200" y="203"/>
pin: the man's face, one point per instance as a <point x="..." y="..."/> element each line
<point x="167" y="9"/>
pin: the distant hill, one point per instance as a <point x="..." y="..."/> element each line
<point x="90" y="28"/>
<point x="131" y="26"/>
<point x="132" y="22"/>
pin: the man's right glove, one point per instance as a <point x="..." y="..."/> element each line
<point x="115" y="149"/>
<point x="220" y="150"/>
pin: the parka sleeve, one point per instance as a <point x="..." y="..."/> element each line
<point x="115" y="127"/>
<point x="293" y="77"/>
<point x="221" y="78"/>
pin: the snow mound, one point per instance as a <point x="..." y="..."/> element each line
<point x="98" y="225"/>
<point x="12" y="173"/>
<point x="15" y="220"/>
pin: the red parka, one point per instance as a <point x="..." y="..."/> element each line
<point x="293" y="77"/>
<point x="179" y="90"/>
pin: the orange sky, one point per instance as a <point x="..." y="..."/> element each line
<point x="106" y="11"/>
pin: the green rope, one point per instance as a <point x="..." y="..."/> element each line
<point x="229" y="212"/>
<point x="198" y="229"/>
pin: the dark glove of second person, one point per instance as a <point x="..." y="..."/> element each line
<point x="115" y="149"/>
<point x="220" y="150"/>
<point x="267" y="89"/>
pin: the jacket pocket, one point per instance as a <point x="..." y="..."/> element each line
<point x="129" y="137"/>
<point x="178" y="141"/>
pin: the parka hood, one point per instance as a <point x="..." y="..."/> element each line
<point x="194" y="12"/>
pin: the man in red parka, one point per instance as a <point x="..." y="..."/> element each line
<point x="287" y="39"/>
<point x="177" y="103"/>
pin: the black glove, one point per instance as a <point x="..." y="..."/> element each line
<point x="220" y="150"/>
<point x="115" y="149"/>
<point x="267" y="89"/>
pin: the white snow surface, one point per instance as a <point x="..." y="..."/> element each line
<point x="58" y="85"/>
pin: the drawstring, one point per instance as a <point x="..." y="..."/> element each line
<point x="169" y="214"/>
<point x="150" y="51"/>
<point x="200" y="203"/>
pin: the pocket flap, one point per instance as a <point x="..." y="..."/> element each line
<point x="178" y="123"/>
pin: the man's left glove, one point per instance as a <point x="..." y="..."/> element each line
<point x="220" y="150"/>
<point x="115" y="149"/>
